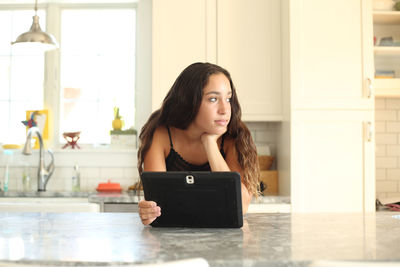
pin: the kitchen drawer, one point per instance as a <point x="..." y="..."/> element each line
<point x="120" y="207"/>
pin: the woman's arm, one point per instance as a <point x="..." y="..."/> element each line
<point x="230" y="163"/>
<point x="154" y="160"/>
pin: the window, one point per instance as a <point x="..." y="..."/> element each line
<point x="97" y="71"/>
<point x="96" y="63"/>
<point x="21" y="75"/>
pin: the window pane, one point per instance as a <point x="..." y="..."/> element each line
<point x="97" y="71"/>
<point x="21" y="76"/>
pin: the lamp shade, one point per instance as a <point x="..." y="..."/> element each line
<point x="36" y="35"/>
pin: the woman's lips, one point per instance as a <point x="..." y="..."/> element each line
<point x="221" y="122"/>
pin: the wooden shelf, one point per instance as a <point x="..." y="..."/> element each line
<point x="387" y="50"/>
<point x="387" y="87"/>
<point x="386" y="17"/>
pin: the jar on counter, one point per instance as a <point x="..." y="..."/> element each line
<point x="8" y="161"/>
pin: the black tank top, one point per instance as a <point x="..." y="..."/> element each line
<point x="175" y="162"/>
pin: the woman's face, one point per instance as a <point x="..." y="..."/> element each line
<point x="215" y="108"/>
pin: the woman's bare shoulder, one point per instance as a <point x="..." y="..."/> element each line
<point x="229" y="141"/>
<point x="229" y="144"/>
<point x="161" y="137"/>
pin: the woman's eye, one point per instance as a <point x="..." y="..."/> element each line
<point x="213" y="99"/>
<point x="229" y="100"/>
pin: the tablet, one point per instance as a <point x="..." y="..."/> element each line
<point x="195" y="199"/>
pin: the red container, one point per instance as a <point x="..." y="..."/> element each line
<point x="109" y="187"/>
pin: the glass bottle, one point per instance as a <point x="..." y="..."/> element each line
<point x="76" y="179"/>
<point x="26" y="179"/>
<point x="8" y="155"/>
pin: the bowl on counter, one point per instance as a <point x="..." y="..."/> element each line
<point x="265" y="162"/>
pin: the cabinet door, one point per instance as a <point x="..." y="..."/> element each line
<point x="331" y="54"/>
<point x="179" y="39"/>
<point x="332" y="161"/>
<point x="249" y="47"/>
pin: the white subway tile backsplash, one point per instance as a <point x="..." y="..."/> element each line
<point x="386" y="138"/>
<point x="258" y="126"/>
<point x="63" y="172"/>
<point x="265" y="137"/>
<point x="385" y="115"/>
<point x="89" y="172"/>
<point x="393" y="174"/>
<point x="393" y="150"/>
<point x="392" y="103"/>
<point x="380" y="150"/>
<point x="380" y="103"/>
<point x="380" y="127"/>
<point x="392" y="127"/>
<point x="92" y="183"/>
<point x="111" y="173"/>
<point x="126" y="182"/>
<point x="380" y="174"/>
<point x="381" y="195"/>
<point x="386" y="162"/>
<point x="387" y="186"/>
<point x="396" y="194"/>
<point x="131" y="173"/>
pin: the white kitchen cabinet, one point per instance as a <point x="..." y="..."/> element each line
<point x="327" y="128"/>
<point x="172" y="34"/>
<point x="179" y="39"/>
<point x="241" y="36"/>
<point x="332" y="161"/>
<point x="249" y="46"/>
<point x="331" y="52"/>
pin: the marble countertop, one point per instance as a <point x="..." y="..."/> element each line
<point x="119" y="239"/>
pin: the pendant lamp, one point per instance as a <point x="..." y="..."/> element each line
<point x="36" y="37"/>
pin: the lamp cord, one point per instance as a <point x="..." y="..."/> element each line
<point x="36" y="7"/>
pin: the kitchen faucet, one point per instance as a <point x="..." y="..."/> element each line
<point x="44" y="173"/>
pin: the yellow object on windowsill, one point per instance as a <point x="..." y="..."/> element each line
<point x="11" y="146"/>
<point x="117" y="123"/>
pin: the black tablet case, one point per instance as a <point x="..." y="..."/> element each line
<point x="195" y="199"/>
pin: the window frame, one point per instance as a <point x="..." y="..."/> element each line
<point x="52" y="86"/>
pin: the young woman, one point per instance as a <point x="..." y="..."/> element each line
<point x="198" y="128"/>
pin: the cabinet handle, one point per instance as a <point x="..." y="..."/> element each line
<point x="369" y="87"/>
<point x="369" y="131"/>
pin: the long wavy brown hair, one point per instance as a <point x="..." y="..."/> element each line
<point x="180" y="108"/>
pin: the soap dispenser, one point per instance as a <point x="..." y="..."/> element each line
<point x="76" y="179"/>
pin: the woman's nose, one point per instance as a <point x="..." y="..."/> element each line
<point x="223" y="107"/>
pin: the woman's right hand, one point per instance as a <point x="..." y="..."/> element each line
<point x="148" y="211"/>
